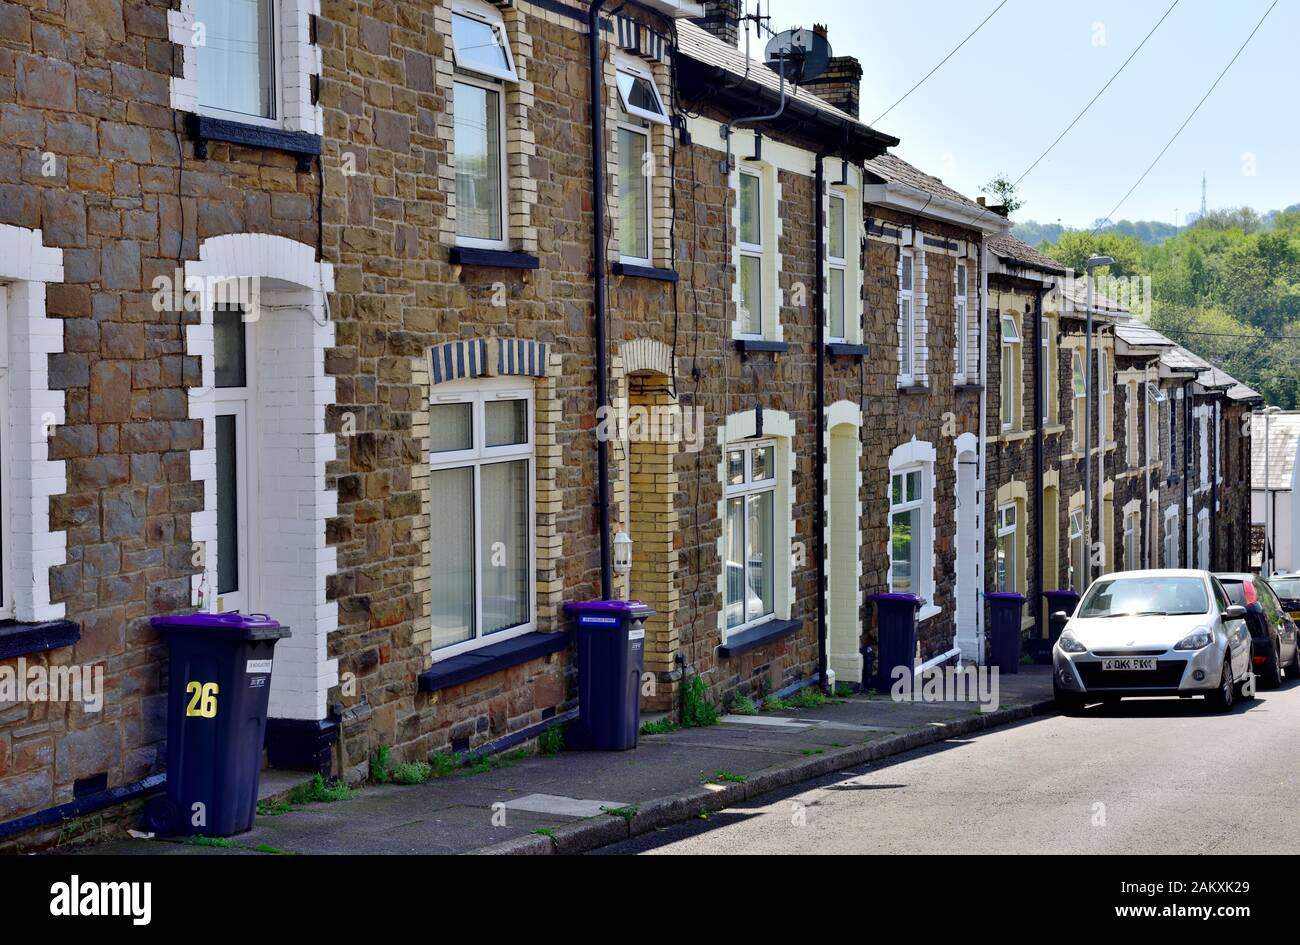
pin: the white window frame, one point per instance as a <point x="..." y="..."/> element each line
<point x="838" y="263"/>
<point x="646" y="183"/>
<point x="907" y="321"/>
<point x="626" y="64"/>
<point x="751" y="486"/>
<point x="1132" y="453"/>
<point x="1011" y="341"/>
<point x="1204" y="458"/>
<point x="476" y="242"/>
<point x="488" y="16"/>
<point x="961" y="319"/>
<point x="1008" y="536"/>
<point x="1078" y="369"/>
<point x="1077" y="541"/>
<point x="1105" y="416"/>
<point x="1170" y="537"/>
<point x="478" y="393"/>
<point x="241" y="402"/>
<point x="1047" y="389"/>
<point x="6" y="457"/>
<point x="277" y="80"/>
<point x="1132" y="545"/>
<point x="921" y="536"/>
<point x="1154" y="398"/>
<point x="754" y="250"/>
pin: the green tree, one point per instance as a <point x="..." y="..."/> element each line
<point x="1003" y="191"/>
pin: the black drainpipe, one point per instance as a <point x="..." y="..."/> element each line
<point x="820" y="343"/>
<point x="1187" y="543"/>
<point x="598" y="210"/>
<point x="1039" y="407"/>
<point x="1216" y="440"/>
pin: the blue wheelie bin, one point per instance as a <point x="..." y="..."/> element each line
<point x="217" y="696"/>
<point x="1004" y="630"/>
<point x="611" y="659"/>
<point x="896" y="635"/>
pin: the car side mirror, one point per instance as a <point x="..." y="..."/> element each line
<point x="1234" y="612"/>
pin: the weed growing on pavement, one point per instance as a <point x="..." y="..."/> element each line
<point x="697" y="711"/>
<point x="443" y="764"/>
<point x="843" y="690"/>
<point x="379" y="763"/>
<point x="730" y="777"/>
<point x="267" y="809"/>
<point x="320" y="791"/>
<point x="545" y="832"/>
<point x="267" y="848"/>
<point x="412" y="772"/>
<point x="743" y="705"/>
<point x="814" y="751"/>
<point x="627" y="813"/>
<point x="775" y="704"/>
<point x="811" y="698"/>
<point x="220" y="843"/>
<point x="551" y="741"/>
<point x="659" y="727"/>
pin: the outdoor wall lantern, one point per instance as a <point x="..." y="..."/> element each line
<point x="622" y="553"/>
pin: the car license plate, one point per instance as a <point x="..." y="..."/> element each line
<point x="1128" y="664"/>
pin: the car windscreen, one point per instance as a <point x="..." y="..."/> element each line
<point x="1145" y="596"/>
<point x="1287" y="588"/>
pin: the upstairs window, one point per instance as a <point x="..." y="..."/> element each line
<point x="750" y="492"/>
<point x="1204" y="458"/>
<point x="483" y="65"/>
<point x="1079" y="384"/>
<point x="906" y="317"/>
<point x="1047" y="377"/>
<point x="235" y="46"/>
<point x="1010" y="372"/>
<point x="1154" y="398"/>
<point x="751" y="253"/>
<point x="1105" y="416"/>
<point x="1131" y="451"/>
<point x="962" y="329"/>
<point x="642" y="109"/>
<point x="837" y="267"/>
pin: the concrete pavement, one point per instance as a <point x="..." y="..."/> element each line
<point x="540" y="804"/>
<point x="1150" y="776"/>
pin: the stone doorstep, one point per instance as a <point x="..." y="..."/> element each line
<point x="597" y="831"/>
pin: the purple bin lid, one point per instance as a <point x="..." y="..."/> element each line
<point x="232" y="620"/>
<point x="1006" y="595"/>
<point x="896" y="599"/>
<point x="607" y="607"/>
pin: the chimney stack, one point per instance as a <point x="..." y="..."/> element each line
<point x="840" y="84"/>
<point x="722" y="19"/>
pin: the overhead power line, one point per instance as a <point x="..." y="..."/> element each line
<point x="941" y="62"/>
<point x="1186" y="121"/>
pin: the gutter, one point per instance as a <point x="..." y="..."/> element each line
<point x="598" y="266"/>
<point x="908" y="199"/>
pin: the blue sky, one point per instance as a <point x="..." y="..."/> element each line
<point x="1017" y="83"/>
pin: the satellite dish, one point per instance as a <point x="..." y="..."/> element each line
<point x="800" y="54"/>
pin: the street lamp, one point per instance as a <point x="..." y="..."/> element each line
<point x="1266" y="562"/>
<point x="1093" y="263"/>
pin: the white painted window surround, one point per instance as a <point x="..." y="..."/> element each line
<point x="297" y="62"/>
<point x="289" y="559"/>
<point x="762" y="246"/>
<point x="918" y="456"/>
<point x="29" y="411"/>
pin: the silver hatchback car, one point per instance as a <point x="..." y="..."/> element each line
<point x="1153" y="633"/>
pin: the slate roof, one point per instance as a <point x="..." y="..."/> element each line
<point x="1015" y="250"/>
<point x="1284" y="434"/>
<point x="893" y="169"/>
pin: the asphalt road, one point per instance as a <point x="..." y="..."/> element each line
<point x="1150" y="776"/>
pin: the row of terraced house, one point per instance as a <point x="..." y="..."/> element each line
<point x="400" y="321"/>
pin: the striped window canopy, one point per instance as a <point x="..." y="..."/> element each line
<point x="640" y="39"/>
<point x="483" y="357"/>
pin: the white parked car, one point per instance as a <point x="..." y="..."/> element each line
<point x="1153" y="633"/>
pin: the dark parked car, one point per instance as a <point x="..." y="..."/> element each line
<point x="1287" y="588"/>
<point x="1272" y="631"/>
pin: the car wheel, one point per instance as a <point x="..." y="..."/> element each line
<point x="1271" y="677"/>
<point x="1222" y="698"/>
<point x="1293" y="667"/>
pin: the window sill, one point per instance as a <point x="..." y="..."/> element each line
<point x="24" y="639"/>
<point x="913" y="388"/>
<point x="927" y="611"/>
<point x="493" y="258"/>
<point x="762" y="635"/>
<point x="633" y="270"/>
<point x="842" y="349"/>
<point x="493" y="658"/>
<point x="754" y="345"/>
<point x="963" y="386"/>
<point x="203" y="128"/>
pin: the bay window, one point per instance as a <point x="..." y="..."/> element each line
<point x="236" y="49"/>
<point x="483" y="66"/>
<point x="748" y="531"/>
<point x="751" y="253"/>
<point x="837" y="267"/>
<point x="481" y="513"/>
<point x="906" y="317"/>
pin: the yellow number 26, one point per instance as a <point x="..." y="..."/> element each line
<point x="203" y="699"/>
